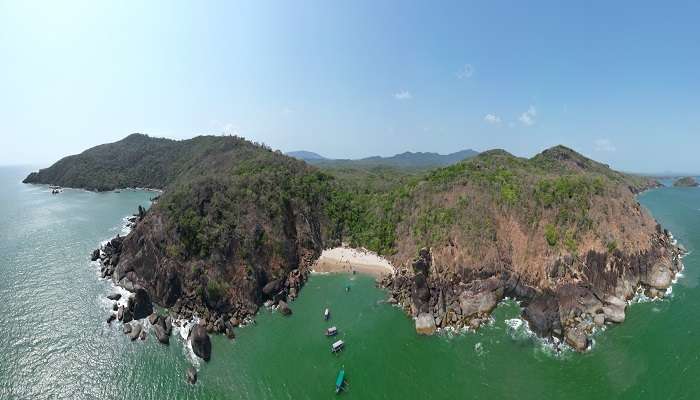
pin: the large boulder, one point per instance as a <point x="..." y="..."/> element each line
<point x="481" y="298"/>
<point x="161" y="334"/>
<point x="141" y="306"/>
<point x="272" y="287"/>
<point x="577" y="338"/>
<point x="191" y="375"/>
<point x="614" y="309"/>
<point x="135" y="331"/>
<point x="283" y="308"/>
<point x="659" y="276"/>
<point x="201" y="344"/>
<point x="425" y="324"/>
<point x="114" y="296"/>
<point x="542" y="314"/>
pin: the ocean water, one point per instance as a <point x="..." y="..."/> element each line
<point x="56" y="345"/>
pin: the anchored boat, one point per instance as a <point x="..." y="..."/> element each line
<point x="340" y="380"/>
<point x="337" y="346"/>
<point x="332" y="331"/>
<point x="326" y="314"/>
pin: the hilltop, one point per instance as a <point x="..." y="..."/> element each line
<point x="687" y="181"/>
<point x="238" y="224"/>
<point x="407" y="160"/>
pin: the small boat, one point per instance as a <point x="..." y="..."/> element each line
<point x="340" y="380"/>
<point x="332" y="331"/>
<point x="326" y="314"/>
<point x="347" y="288"/>
<point x="337" y="346"/>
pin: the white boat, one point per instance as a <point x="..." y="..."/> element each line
<point x="337" y="346"/>
<point x="326" y="314"/>
<point x="332" y="331"/>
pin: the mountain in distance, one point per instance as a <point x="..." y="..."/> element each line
<point x="306" y="155"/>
<point x="239" y="224"/>
<point x="406" y="160"/>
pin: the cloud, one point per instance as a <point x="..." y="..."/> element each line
<point x="528" y="117"/>
<point x="403" y="95"/>
<point x="604" y="145"/>
<point x="466" y="72"/>
<point x="492" y="119"/>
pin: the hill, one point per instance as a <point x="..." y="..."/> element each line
<point x="407" y="160"/>
<point x="239" y="224"/>
<point x="687" y="181"/>
<point x="306" y="155"/>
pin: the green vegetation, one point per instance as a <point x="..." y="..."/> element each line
<point x="229" y="199"/>
<point x="687" y="181"/>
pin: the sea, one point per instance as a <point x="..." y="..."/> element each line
<point x="55" y="342"/>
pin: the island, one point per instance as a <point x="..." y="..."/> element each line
<point x="687" y="181"/>
<point x="239" y="225"/>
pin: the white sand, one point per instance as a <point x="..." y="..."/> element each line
<point x="345" y="259"/>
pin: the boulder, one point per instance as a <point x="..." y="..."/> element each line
<point x="191" y="375"/>
<point x="95" y="255"/>
<point x="111" y="318"/>
<point x="425" y="324"/>
<point x="135" y="331"/>
<point x="114" y="296"/>
<point x="659" y="276"/>
<point x="128" y="316"/>
<point x="599" y="319"/>
<point x="168" y="325"/>
<point x="201" y="344"/>
<point x="141" y="307"/>
<point x="614" y="309"/>
<point x="161" y="334"/>
<point x="120" y="313"/>
<point x="153" y="318"/>
<point x="284" y="308"/>
<point x="272" y="287"/>
<point x="577" y="339"/>
<point x="481" y="298"/>
<point x="115" y="307"/>
<point x="126" y="329"/>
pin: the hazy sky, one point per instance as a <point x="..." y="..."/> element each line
<point x="618" y="81"/>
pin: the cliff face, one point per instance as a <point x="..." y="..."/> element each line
<point x="560" y="232"/>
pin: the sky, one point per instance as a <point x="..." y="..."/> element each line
<point x="617" y="81"/>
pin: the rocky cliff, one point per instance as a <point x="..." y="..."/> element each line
<point x="563" y="234"/>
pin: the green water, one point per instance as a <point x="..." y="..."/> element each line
<point x="56" y="345"/>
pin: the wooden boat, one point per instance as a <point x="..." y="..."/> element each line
<point x="326" y="314"/>
<point x="332" y="331"/>
<point x="340" y="380"/>
<point x="337" y="346"/>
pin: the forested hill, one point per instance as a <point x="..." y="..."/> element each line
<point x="237" y="217"/>
<point x="408" y="160"/>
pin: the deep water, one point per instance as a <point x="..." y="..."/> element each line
<point x="56" y="345"/>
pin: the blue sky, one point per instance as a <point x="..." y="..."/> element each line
<point x="617" y="81"/>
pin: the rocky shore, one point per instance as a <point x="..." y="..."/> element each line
<point x="188" y="307"/>
<point x="584" y="293"/>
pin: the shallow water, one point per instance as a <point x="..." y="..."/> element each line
<point x="56" y="344"/>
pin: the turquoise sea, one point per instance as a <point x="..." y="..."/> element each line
<point x="56" y="345"/>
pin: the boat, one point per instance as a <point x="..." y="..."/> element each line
<point x="337" y="346"/>
<point x="326" y="314"/>
<point x="340" y="380"/>
<point x="332" y="331"/>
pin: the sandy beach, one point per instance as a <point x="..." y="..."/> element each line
<point x="344" y="259"/>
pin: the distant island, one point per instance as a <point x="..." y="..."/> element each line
<point x="687" y="181"/>
<point x="239" y="225"/>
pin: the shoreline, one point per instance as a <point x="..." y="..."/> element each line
<point x="349" y="260"/>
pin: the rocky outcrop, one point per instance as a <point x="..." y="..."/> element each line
<point x="687" y="181"/>
<point x="569" y="310"/>
<point x="191" y="375"/>
<point x="200" y="342"/>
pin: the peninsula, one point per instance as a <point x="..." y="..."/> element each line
<point x="239" y="224"/>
